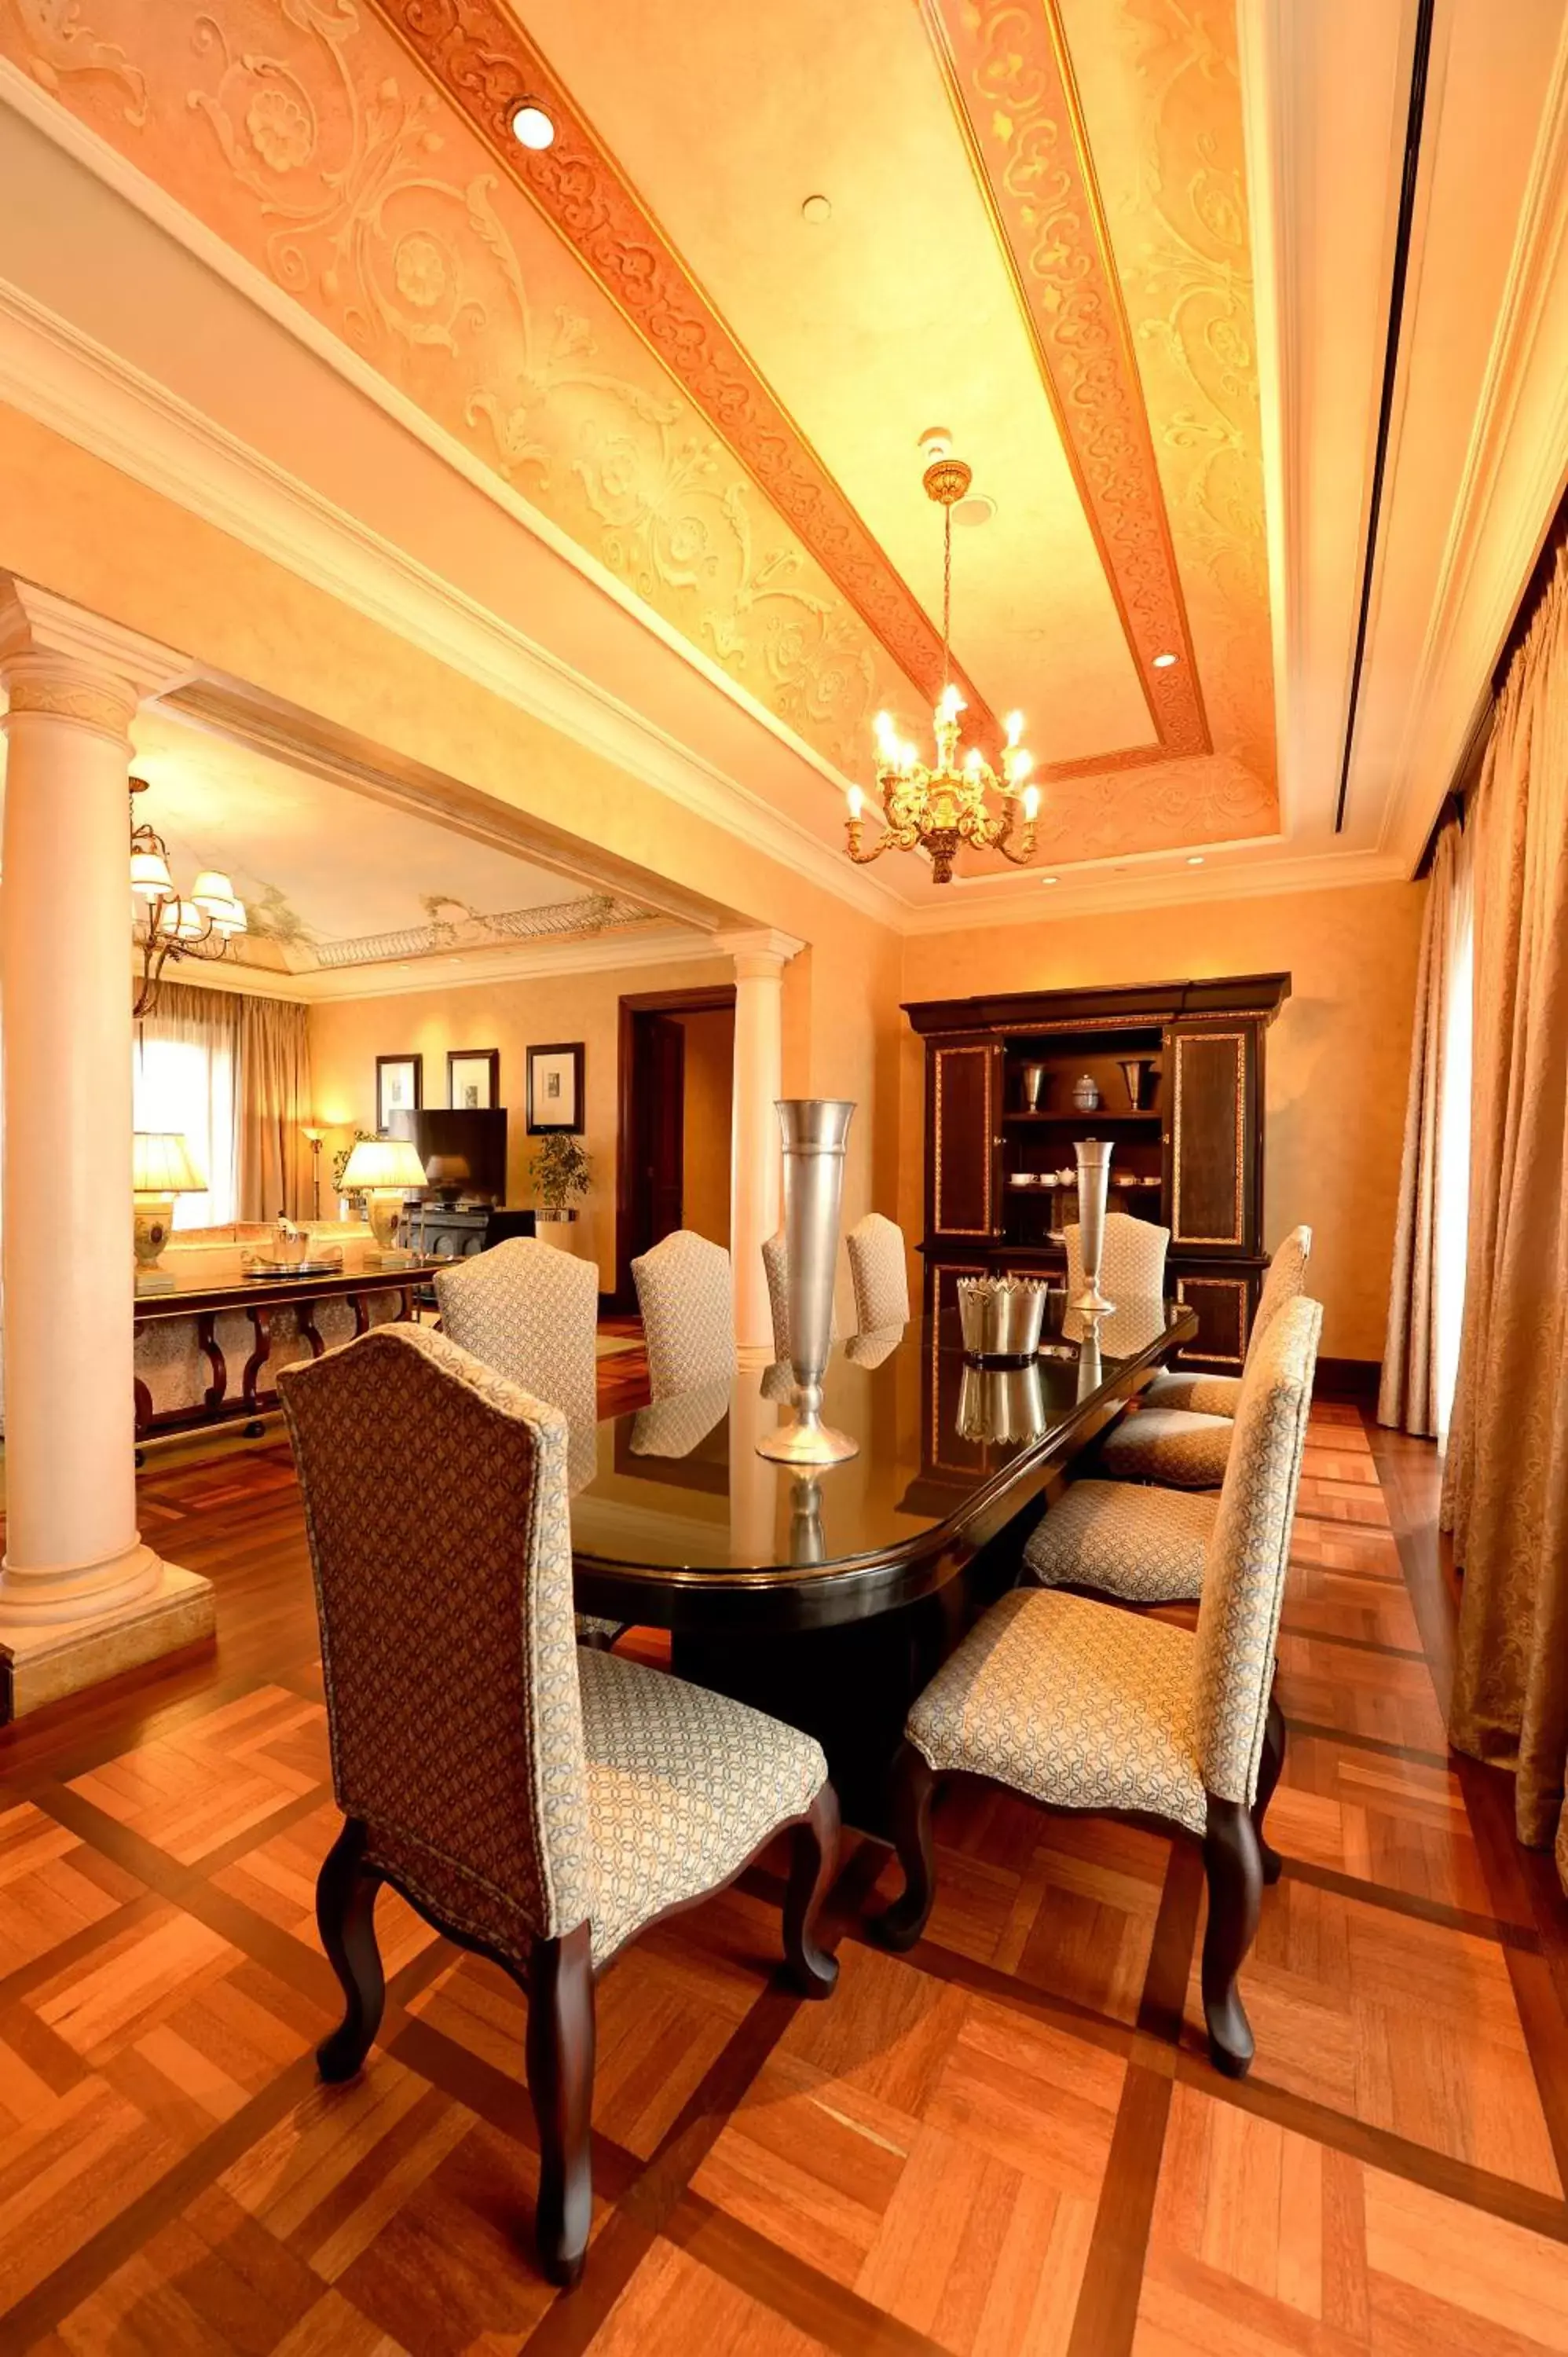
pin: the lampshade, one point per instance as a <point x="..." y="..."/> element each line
<point x="150" y="877"/>
<point x="161" y="1164"/>
<point x="183" y="919"/>
<point x="383" y="1162"/>
<point x="213" y="892"/>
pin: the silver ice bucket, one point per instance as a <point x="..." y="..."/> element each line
<point x="1001" y="1317"/>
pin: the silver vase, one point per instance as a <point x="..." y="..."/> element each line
<point x="816" y="1131"/>
<point x="1093" y="1184"/>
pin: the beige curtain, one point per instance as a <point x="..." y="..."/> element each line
<point x="1506" y="1485"/>
<point x="1408" y="1397"/>
<point x="273" y="1107"/>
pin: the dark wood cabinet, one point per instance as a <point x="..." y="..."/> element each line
<point x="1177" y="1071"/>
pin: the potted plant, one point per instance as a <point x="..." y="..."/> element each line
<point x="559" y="1172"/>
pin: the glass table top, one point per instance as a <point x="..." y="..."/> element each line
<point x="680" y="1486"/>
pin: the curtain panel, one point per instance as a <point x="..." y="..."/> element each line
<point x="271" y="1109"/>
<point x="1505" y="1482"/>
<point x="1411" y="1394"/>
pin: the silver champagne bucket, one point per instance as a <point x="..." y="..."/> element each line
<point x="1001" y="1317"/>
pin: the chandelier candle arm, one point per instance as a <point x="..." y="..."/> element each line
<point x="166" y="923"/>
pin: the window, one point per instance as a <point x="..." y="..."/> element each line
<point x="183" y="1079"/>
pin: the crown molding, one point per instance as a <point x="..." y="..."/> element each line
<point x="1096" y="893"/>
<point x="35" y="621"/>
<point x="464" y="970"/>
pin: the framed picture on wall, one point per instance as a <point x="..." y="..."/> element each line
<point x="554" y="1088"/>
<point x="472" y="1079"/>
<point x="400" y="1087"/>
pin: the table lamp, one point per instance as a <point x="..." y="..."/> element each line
<point x="383" y="1169"/>
<point x="160" y="1169"/>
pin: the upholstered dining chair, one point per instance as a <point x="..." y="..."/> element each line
<point x="535" y="1801"/>
<point x="879" y="1273"/>
<point x="1181" y="1435"/>
<point x="776" y="1269"/>
<point x="687" y="1302"/>
<point x="1132" y="1262"/>
<point x="531" y="1313"/>
<point x="1085" y="1708"/>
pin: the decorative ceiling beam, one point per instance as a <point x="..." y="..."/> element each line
<point x="1010" y="80"/>
<point x="477" y="53"/>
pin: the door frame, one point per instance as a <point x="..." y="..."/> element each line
<point x="700" y="1000"/>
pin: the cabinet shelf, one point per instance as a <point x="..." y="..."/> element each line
<point x="1064" y="1120"/>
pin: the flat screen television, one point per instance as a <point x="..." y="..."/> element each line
<point x="463" y="1149"/>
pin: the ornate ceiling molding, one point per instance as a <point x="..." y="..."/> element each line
<point x="1011" y="84"/>
<point x="484" y="61"/>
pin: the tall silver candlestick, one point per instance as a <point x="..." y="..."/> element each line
<point x="1093" y="1182"/>
<point x="816" y="1132"/>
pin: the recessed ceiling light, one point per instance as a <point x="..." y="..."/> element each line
<point x="1196" y="859"/>
<point x="1050" y="879"/>
<point x="531" y="126"/>
<point x="978" y="508"/>
<point x="817" y="208"/>
<point x="1164" y="663"/>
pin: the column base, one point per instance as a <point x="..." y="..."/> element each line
<point x="40" y="1665"/>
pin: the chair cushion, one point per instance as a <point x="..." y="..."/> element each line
<point x="1145" y="1545"/>
<point x="592" y="1630"/>
<point x="1170" y="1446"/>
<point x="1074" y="1703"/>
<point x="1205" y="1395"/>
<point x="684" y="1785"/>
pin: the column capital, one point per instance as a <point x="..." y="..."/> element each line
<point x="61" y="659"/>
<point x="759" y="951"/>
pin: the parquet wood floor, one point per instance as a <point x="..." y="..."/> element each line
<point x="1006" y="2144"/>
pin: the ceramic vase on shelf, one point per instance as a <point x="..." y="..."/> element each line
<point x="816" y="1132"/>
<point x="1093" y="1184"/>
<point x="1085" y="1094"/>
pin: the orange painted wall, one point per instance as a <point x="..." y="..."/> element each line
<point x="1337" y="1057"/>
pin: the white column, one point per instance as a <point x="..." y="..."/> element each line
<point x="756" y="1152"/>
<point x="80" y="1596"/>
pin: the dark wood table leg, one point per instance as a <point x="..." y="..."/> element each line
<point x="355" y="1302"/>
<point x="261" y="1321"/>
<point x="144" y="1400"/>
<point x="307" y="1329"/>
<point x="216" y="1365"/>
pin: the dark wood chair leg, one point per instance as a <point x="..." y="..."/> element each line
<point x="561" y="2082"/>
<point x="1234" y="1865"/>
<point x="913" y="1786"/>
<point x="346" y="1917"/>
<point x="813" y="1861"/>
<point x="1269" y="1767"/>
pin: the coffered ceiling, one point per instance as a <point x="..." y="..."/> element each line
<point x="1135" y="254"/>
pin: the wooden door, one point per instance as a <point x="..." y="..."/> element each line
<point x="963" y="1133"/>
<point x="663" y="1093"/>
<point x="1211" y="1099"/>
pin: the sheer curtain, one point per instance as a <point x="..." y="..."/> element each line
<point x="1506" y="1479"/>
<point x="1426" y="1293"/>
<point x="185" y="1077"/>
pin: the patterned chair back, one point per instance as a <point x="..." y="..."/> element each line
<point x="1287" y="1275"/>
<point x="687" y="1302"/>
<point x="436" y="1504"/>
<point x="530" y="1312"/>
<point x="1133" y="1262"/>
<point x="879" y="1273"/>
<point x="776" y="1269"/>
<point x="1244" y="1562"/>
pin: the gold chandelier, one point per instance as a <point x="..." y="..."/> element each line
<point x="168" y="925"/>
<point x="938" y="810"/>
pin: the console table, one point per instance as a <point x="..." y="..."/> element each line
<point x="364" y="1296"/>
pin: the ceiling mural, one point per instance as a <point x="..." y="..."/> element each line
<point x="631" y="328"/>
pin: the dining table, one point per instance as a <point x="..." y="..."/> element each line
<point x="830" y="1597"/>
